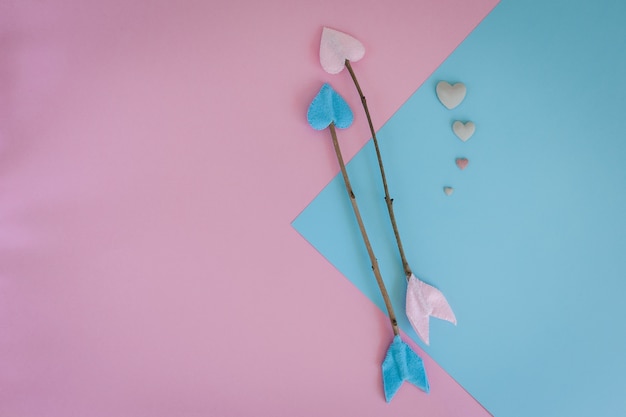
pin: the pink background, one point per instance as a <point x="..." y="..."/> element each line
<point x="152" y="157"/>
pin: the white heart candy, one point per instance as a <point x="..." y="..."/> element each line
<point x="336" y="47"/>
<point x="451" y="95"/>
<point x="464" y="131"/>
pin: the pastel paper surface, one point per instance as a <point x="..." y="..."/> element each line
<point x="530" y="249"/>
<point x="152" y="152"/>
<point x="329" y="107"/>
<point x="423" y="301"/>
<point x="336" y="47"/>
<point x="450" y="95"/>
<point x="402" y="364"/>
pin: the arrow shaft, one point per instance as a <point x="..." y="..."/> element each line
<point x="388" y="199"/>
<point x="357" y="213"/>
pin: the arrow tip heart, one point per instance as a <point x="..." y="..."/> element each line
<point x="329" y="107"/>
<point x="336" y="47"/>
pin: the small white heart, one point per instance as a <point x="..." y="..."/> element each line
<point x="450" y="95"/>
<point x="448" y="190"/>
<point x="464" y="131"/>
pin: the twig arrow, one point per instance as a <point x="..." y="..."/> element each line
<point x="329" y="110"/>
<point x="335" y="46"/>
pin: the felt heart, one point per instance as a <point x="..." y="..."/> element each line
<point x="448" y="190"/>
<point x="462" y="163"/>
<point x="329" y="107"/>
<point x="464" y="131"/>
<point x="402" y="364"/>
<point x="450" y="95"/>
<point x="336" y="47"/>
<point x="423" y="301"/>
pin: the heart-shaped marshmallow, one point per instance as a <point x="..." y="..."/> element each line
<point x="450" y="95"/>
<point x="329" y="107"/>
<point x="462" y="163"/>
<point x="464" y="131"/>
<point x="336" y="47"/>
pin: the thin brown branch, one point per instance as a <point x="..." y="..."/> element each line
<point x="370" y="251"/>
<point x="388" y="199"/>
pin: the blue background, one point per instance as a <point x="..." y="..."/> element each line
<point x="530" y="248"/>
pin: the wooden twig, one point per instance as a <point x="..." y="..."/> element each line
<point x="370" y="251"/>
<point x="388" y="199"/>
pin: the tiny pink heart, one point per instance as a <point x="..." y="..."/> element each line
<point x="336" y="47"/>
<point x="462" y="163"/>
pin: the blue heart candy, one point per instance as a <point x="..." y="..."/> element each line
<point x="329" y="107"/>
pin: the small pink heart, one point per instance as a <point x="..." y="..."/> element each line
<point x="462" y="163"/>
<point x="336" y="47"/>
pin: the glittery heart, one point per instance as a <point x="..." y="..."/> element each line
<point x="462" y="163"/>
<point x="463" y="131"/>
<point x="336" y="47"/>
<point x="450" y="95"/>
<point x="329" y="107"/>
